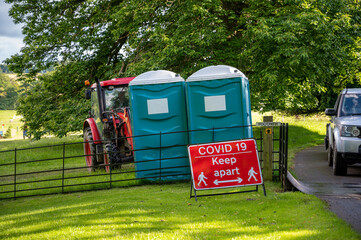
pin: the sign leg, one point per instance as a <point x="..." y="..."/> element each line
<point x="195" y="192"/>
<point x="264" y="189"/>
<point x="190" y="194"/>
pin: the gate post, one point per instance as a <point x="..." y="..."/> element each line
<point x="15" y="175"/>
<point x="268" y="150"/>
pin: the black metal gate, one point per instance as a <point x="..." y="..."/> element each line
<point x="61" y="168"/>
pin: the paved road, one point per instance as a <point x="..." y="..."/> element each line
<point x="342" y="193"/>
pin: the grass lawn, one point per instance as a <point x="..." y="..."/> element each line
<point x="166" y="212"/>
<point x="8" y="119"/>
<point x="304" y="131"/>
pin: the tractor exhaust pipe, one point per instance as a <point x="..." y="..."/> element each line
<point x="100" y="96"/>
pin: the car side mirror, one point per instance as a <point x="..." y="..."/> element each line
<point x="330" y="112"/>
<point x="88" y="93"/>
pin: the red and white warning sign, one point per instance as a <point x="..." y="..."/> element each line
<point x="225" y="164"/>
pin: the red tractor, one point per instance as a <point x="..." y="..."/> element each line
<point x="107" y="131"/>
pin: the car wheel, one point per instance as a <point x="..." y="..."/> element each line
<point x="329" y="156"/>
<point x="339" y="164"/>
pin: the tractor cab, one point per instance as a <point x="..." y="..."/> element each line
<point x="107" y="131"/>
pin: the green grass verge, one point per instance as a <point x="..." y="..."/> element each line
<point x="166" y="212"/>
<point x="33" y="178"/>
<point x="304" y="130"/>
<point x="7" y="120"/>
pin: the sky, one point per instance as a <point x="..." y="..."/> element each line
<point x="11" y="38"/>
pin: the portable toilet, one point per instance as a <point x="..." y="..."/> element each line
<point x="159" y="124"/>
<point x="218" y="103"/>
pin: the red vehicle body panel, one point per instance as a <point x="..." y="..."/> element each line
<point x="91" y="123"/>
<point x="114" y="82"/>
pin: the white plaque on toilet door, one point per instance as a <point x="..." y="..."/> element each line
<point x="215" y="103"/>
<point x="157" y="106"/>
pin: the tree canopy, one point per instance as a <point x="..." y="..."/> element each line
<point x="9" y="91"/>
<point x="297" y="54"/>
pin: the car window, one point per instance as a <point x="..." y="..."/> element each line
<point x="351" y="105"/>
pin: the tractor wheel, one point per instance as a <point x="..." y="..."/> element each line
<point x="90" y="150"/>
<point x="329" y="155"/>
<point x="112" y="157"/>
<point x="339" y="164"/>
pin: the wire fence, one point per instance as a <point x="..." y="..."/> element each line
<point x="61" y="168"/>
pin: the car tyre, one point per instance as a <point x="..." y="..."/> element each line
<point x="339" y="164"/>
<point x="329" y="156"/>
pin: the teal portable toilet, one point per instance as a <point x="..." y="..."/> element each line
<point x="219" y="106"/>
<point x="159" y="125"/>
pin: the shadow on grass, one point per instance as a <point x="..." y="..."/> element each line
<point x="165" y="212"/>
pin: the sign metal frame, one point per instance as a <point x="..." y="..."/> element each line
<point x="252" y="153"/>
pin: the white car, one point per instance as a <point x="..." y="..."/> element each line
<point x="343" y="138"/>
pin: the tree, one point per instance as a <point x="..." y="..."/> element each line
<point x="301" y="53"/>
<point x="8" y="133"/>
<point x="55" y="103"/>
<point x="297" y="54"/>
<point x="4" y="68"/>
<point x="9" y="90"/>
<point x="74" y="36"/>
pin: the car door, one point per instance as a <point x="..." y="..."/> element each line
<point x="332" y="122"/>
